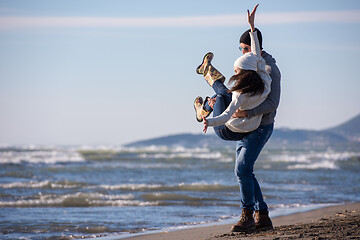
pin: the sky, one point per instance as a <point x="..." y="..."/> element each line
<point x="117" y="71"/>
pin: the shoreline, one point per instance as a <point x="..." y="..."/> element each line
<point x="284" y="225"/>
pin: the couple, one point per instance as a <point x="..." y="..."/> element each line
<point x="245" y="114"/>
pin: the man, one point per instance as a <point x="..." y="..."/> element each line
<point x="249" y="148"/>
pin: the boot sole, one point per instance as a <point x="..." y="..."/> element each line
<point x="199" y="120"/>
<point x="262" y="229"/>
<point x="250" y="230"/>
<point x="209" y="60"/>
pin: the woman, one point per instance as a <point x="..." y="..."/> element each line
<point x="251" y="85"/>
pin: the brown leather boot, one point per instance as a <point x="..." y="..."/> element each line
<point x="262" y="220"/>
<point x="246" y="223"/>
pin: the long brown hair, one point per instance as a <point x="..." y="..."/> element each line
<point x="247" y="81"/>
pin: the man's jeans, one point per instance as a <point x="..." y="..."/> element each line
<point x="247" y="151"/>
<point x="248" y="148"/>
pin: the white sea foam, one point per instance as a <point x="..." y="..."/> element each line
<point x="77" y="200"/>
<point x="302" y="186"/>
<point x="42" y="184"/>
<point x="214" y="155"/>
<point x="305" y="157"/>
<point x="188" y="154"/>
<point x="326" y="164"/>
<point x="133" y="187"/>
<point x="313" y="160"/>
<point x="198" y="186"/>
<point x="147" y="165"/>
<point x="51" y="156"/>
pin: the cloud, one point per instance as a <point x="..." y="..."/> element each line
<point x="18" y="22"/>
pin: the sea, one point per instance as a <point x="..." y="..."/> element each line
<point x="115" y="192"/>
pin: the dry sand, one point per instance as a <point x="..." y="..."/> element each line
<point x="335" y="222"/>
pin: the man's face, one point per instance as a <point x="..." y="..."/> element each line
<point x="245" y="48"/>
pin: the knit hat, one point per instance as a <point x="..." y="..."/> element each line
<point x="248" y="61"/>
<point x="245" y="37"/>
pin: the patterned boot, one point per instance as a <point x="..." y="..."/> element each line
<point x="200" y="110"/>
<point x="210" y="73"/>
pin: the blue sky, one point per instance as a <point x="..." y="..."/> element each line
<point x="112" y="72"/>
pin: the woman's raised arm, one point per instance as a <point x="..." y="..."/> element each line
<point x="251" y="18"/>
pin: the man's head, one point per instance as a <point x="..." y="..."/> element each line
<point x="245" y="41"/>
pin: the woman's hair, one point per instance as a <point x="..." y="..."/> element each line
<point x="247" y="81"/>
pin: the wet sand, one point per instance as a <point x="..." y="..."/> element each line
<point x="335" y="222"/>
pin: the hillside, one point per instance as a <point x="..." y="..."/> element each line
<point x="187" y="140"/>
<point x="349" y="129"/>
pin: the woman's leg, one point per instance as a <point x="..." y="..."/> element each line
<point x="219" y="88"/>
<point x="222" y="102"/>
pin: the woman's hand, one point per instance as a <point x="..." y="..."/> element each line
<point x="206" y="124"/>
<point x="212" y="102"/>
<point x="251" y="18"/>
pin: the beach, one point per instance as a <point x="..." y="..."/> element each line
<point x="334" y="222"/>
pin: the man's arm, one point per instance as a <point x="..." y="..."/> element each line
<point x="271" y="102"/>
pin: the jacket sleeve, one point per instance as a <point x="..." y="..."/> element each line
<point x="237" y="99"/>
<point x="255" y="42"/>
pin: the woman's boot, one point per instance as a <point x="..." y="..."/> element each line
<point x="200" y="110"/>
<point x="210" y="73"/>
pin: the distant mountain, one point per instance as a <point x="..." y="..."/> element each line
<point x="346" y="134"/>
<point x="349" y="129"/>
<point x="187" y="140"/>
<point x="301" y="138"/>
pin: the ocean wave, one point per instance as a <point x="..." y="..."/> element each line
<point x="43" y="184"/>
<point x="96" y="199"/>
<point x="197" y="187"/>
<point x="47" y="184"/>
<point x="158" y="196"/>
<point x="147" y="165"/>
<point x="308" y="157"/>
<point x="77" y="200"/>
<point x="39" y="156"/>
<point x="187" y="154"/>
<point x="148" y="149"/>
<point x="326" y="164"/>
<point x="291" y="187"/>
<point x="154" y="148"/>
<point x="52" y="155"/>
<point x="312" y="160"/>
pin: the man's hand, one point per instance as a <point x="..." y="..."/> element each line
<point x="240" y="113"/>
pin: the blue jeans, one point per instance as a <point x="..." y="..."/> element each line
<point x="223" y="99"/>
<point x="247" y="151"/>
